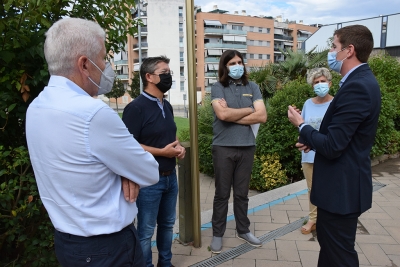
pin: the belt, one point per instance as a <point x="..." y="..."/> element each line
<point x="165" y="173"/>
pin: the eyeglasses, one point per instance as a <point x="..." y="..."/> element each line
<point x="165" y="72"/>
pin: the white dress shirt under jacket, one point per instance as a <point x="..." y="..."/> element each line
<point x="79" y="148"/>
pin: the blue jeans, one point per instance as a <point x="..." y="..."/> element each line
<point x="157" y="203"/>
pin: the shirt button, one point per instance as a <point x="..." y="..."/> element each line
<point x="88" y="259"/>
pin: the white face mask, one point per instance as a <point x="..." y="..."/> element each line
<point x="106" y="80"/>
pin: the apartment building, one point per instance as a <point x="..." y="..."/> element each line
<point x="258" y="38"/>
<point x="163" y="33"/>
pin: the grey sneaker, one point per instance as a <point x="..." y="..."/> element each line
<point x="216" y="244"/>
<point x="250" y="238"/>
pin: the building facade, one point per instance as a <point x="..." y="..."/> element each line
<point x="163" y="32"/>
<point x="259" y="38"/>
<point x="384" y="31"/>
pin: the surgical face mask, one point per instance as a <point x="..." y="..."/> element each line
<point x="334" y="64"/>
<point x="321" y="89"/>
<point x="106" y="80"/>
<point x="165" y="82"/>
<point x="236" y="71"/>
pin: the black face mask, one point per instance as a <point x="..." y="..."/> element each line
<point x="165" y="82"/>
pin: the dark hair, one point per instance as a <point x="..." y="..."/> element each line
<point x="360" y="37"/>
<point x="223" y="70"/>
<point x="149" y="66"/>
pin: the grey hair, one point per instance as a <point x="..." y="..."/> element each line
<point x="67" y="40"/>
<point x="316" y="73"/>
<point x="149" y="65"/>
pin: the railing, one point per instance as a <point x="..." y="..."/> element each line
<point x="224" y="31"/>
<point x="123" y="76"/>
<point x="283" y="37"/>
<point x="144" y="45"/>
<point x="301" y="38"/>
<point x="222" y="45"/>
<point x="120" y="62"/>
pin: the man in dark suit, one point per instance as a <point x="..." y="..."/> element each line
<point x="342" y="180"/>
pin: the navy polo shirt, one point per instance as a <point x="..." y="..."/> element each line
<point x="152" y="124"/>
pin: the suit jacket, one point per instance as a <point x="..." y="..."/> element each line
<point x="342" y="179"/>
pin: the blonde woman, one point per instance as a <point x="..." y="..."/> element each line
<point x="313" y="112"/>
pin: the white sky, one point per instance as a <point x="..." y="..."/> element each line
<point x="310" y="11"/>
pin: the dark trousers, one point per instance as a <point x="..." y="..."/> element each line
<point x="336" y="236"/>
<point x="232" y="167"/>
<point x="114" y="250"/>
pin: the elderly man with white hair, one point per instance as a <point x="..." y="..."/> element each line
<point x="87" y="166"/>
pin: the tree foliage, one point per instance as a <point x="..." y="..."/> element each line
<point x="25" y="230"/>
<point x="135" y="85"/>
<point x="117" y="91"/>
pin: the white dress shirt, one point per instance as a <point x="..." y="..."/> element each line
<point x="79" y="147"/>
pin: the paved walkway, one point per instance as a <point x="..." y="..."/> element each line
<point x="276" y="217"/>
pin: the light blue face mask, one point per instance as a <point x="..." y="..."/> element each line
<point x="321" y="89"/>
<point x="236" y="71"/>
<point x="333" y="63"/>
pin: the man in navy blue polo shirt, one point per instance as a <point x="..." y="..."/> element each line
<point x="150" y="119"/>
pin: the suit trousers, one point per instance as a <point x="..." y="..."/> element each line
<point x="109" y="250"/>
<point x="232" y="167"/>
<point x="336" y="235"/>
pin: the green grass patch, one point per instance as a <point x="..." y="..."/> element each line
<point x="182" y="124"/>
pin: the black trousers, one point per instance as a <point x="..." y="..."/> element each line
<point x="113" y="250"/>
<point x="232" y="167"/>
<point x="336" y="235"/>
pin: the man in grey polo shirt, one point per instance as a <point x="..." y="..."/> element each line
<point x="238" y="106"/>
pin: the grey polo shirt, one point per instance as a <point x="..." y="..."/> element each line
<point x="236" y="96"/>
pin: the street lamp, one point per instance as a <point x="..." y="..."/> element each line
<point x="138" y="11"/>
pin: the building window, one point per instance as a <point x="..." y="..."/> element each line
<point x="250" y="42"/>
<point x="251" y="56"/>
<point x="260" y="56"/>
<point x="180" y="41"/>
<point x="180" y="11"/>
<point x="180" y="27"/>
<point x="182" y="71"/>
<point x="251" y="29"/>
<point x="268" y="30"/>
<point x="260" y="29"/>
<point x="260" y="43"/>
<point x="182" y="86"/>
<point x="181" y="56"/>
<point x="237" y="27"/>
<point x="268" y="44"/>
<point x="268" y="56"/>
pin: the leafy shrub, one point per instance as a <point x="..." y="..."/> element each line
<point x="205" y="136"/>
<point x="267" y="173"/>
<point x="26" y="234"/>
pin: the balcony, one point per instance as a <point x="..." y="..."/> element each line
<point x="211" y="75"/>
<point x="223" y="45"/>
<point x="301" y="39"/>
<point x="283" y="37"/>
<point x="211" y="60"/>
<point x="122" y="77"/>
<point x="144" y="46"/>
<point x="120" y="62"/>
<point x="143" y="31"/>
<point x="217" y="31"/>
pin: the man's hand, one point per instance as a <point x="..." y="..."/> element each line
<point x="171" y="150"/>
<point x="130" y="189"/>
<point x="183" y="151"/>
<point x="294" y="116"/>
